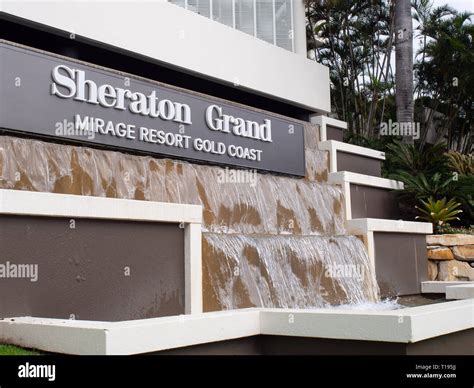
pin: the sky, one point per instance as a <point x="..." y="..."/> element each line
<point x="459" y="5"/>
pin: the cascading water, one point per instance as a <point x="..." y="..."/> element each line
<point x="273" y="241"/>
<point x="287" y="271"/>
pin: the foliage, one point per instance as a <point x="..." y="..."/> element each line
<point x="438" y="212"/>
<point x="461" y="164"/>
<point x="408" y="157"/>
<point x="444" y="77"/>
<point x="462" y="188"/>
<point x="11" y="350"/>
<point x="420" y="186"/>
<point x="356" y="40"/>
<point x="448" y="229"/>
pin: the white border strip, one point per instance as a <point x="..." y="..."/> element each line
<point x="366" y="225"/>
<point x="462" y="291"/>
<point x="334" y="145"/>
<point x="439" y="287"/>
<point x="30" y="203"/>
<point x="149" y="335"/>
<point x="364" y="180"/>
<point x="33" y="203"/>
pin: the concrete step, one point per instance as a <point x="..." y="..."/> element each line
<point x="329" y="128"/>
<point x="352" y="158"/>
<point x="464" y="291"/>
<point x="439" y="287"/>
<point x="397" y="251"/>
<point x="367" y="196"/>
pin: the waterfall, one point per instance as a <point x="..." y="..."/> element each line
<point x="274" y="241"/>
<point x="285" y="271"/>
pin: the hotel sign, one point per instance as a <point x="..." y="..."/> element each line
<point x="52" y="96"/>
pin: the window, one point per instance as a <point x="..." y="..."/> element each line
<point x="244" y="16"/>
<point x="269" y="20"/>
<point x="283" y="24"/>
<point x="202" y="7"/>
<point x="265" y="20"/>
<point x="222" y="12"/>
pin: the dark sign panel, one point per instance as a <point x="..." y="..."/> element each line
<point x="53" y="96"/>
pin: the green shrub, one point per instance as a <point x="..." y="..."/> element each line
<point x="419" y="186"/>
<point x="461" y="164"/>
<point x="428" y="160"/>
<point x="438" y="212"/>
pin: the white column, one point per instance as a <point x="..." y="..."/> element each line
<point x="299" y="27"/>
<point x="193" y="269"/>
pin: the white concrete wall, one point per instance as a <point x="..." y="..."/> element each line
<point x="171" y="34"/>
<point x="406" y="325"/>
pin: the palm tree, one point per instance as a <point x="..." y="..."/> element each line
<point x="448" y="80"/>
<point x="404" y="63"/>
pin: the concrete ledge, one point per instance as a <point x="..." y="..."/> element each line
<point x="438" y="287"/>
<point x="342" y="177"/>
<point x="334" y="146"/>
<point x="149" y="335"/>
<point x="464" y="291"/>
<point x="366" y="225"/>
<point x="324" y="122"/>
<point x="54" y="335"/>
<point x="31" y="203"/>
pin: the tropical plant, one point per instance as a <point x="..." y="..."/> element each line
<point x="438" y="212"/>
<point x="461" y="164"/>
<point x="407" y="157"/>
<point x="445" y="82"/>
<point x="462" y="188"/>
<point x="422" y="187"/>
<point x="354" y="38"/>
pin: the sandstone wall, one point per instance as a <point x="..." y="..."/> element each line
<point x="450" y="257"/>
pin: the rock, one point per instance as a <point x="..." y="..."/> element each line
<point x="432" y="270"/>
<point x="464" y="252"/>
<point x="450" y="240"/>
<point x="442" y="253"/>
<point x="455" y="270"/>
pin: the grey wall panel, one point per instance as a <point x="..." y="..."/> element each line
<point x="373" y="202"/>
<point x="334" y="133"/>
<point x="83" y="270"/>
<point x="400" y="263"/>
<point x="359" y="164"/>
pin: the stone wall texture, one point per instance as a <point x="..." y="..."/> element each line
<point x="450" y="257"/>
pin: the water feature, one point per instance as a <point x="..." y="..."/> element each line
<point x="274" y="241"/>
<point x="285" y="271"/>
